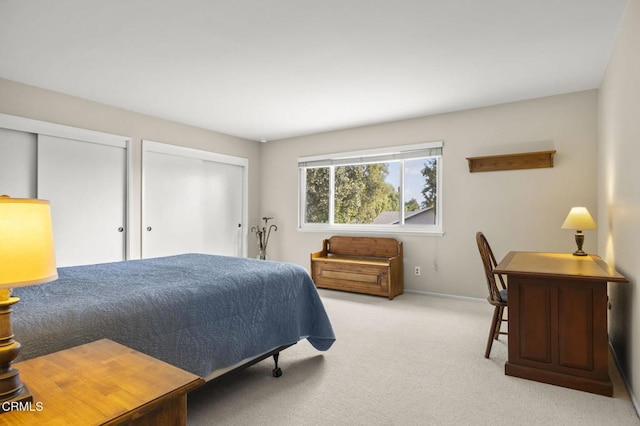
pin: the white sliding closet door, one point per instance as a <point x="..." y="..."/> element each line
<point x="86" y="184"/>
<point x="172" y="208"/>
<point x="191" y="204"/>
<point x="223" y="192"/>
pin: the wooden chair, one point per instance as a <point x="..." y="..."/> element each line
<point x="497" y="294"/>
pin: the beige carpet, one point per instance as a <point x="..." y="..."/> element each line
<point x="416" y="360"/>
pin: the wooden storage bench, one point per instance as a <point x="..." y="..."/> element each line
<point x="360" y="264"/>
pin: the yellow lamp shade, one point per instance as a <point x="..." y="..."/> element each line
<point x="27" y="255"/>
<point x="579" y="219"/>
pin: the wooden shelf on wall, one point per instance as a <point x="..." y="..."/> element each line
<point x="527" y="160"/>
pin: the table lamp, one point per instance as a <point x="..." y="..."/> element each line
<point x="579" y="219"/>
<point x="27" y="258"/>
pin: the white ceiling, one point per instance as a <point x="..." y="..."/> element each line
<point x="271" y="69"/>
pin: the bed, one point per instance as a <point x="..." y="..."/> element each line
<point x="205" y="314"/>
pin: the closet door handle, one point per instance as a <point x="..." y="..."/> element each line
<point x="148" y="228"/>
<point x="121" y="229"/>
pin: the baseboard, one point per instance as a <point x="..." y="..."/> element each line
<point x="634" y="401"/>
<point x="448" y="296"/>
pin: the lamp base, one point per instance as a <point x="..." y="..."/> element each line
<point x="579" y="242"/>
<point x="14" y="395"/>
<point x="22" y="401"/>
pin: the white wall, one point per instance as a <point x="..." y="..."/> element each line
<point x="39" y="104"/>
<point x="517" y="210"/>
<point x="619" y="190"/>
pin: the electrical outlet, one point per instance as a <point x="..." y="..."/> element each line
<point x="416" y="270"/>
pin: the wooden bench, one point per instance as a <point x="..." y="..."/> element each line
<point x="359" y="264"/>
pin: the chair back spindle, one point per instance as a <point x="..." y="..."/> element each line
<point x="489" y="263"/>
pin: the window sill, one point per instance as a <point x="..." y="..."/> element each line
<point x="374" y="229"/>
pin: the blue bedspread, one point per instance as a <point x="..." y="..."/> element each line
<point x="198" y="312"/>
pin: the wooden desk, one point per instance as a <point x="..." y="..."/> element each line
<point x="103" y="383"/>
<point x="558" y="319"/>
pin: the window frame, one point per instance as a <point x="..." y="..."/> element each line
<point x="377" y="155"/>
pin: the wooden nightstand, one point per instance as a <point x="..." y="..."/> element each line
<point x="103" y="383"/>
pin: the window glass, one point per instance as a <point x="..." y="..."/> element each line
<point x="362" y="192"/>
<point x="359" y="193"/>
<point x="317" y="195"/>
<point x="420" y="191"/>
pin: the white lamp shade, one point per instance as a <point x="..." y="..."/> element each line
<point x="27" y="255"/>
<point x="579" y="219"/>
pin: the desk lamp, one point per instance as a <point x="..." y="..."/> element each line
<point x="579" y="219"/>
<point x="27" y="258"/>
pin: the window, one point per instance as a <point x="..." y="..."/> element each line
<point x="363" y="191"/>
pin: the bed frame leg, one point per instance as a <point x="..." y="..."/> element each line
<point x="277" y="372"/>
